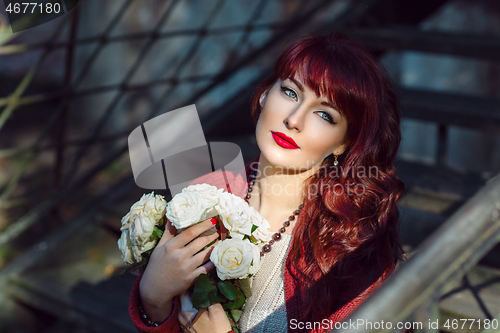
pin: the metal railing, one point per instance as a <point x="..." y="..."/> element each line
<point x="440" y="261"/>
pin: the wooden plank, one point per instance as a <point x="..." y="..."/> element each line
<point x="461" y="303"/>
<point x="451" y="109"/>
<point x="479" y="46"/>
<point x="77" y="283"/>
<point x="84" y="305"/>
<point x="439" y="179"/>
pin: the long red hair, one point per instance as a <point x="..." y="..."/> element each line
<point x="349" y="224"/>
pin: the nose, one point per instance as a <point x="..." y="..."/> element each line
<point x="294" y="121"/>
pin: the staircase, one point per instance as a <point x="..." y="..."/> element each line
<point x="70" y="282"/>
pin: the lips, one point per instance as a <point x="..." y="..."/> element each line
<point x="284" y="141"/>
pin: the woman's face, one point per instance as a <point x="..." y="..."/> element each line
<point x="297" y="129"/>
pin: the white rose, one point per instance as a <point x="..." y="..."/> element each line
<point x="186" y="208"/>
<point x="157" y="206"/>
<point x="141" y="228"/>
<point x="125" y="222"/>
<point x="150" y="203"/>
<point x="125" y="245"/>
<point x="138" y="207"/>
<point x="262" y="233"/>
<point x="208" y="192"/>
<point x="230" y="209"/>
<point x="132" y="253"/>
<point x="138" y="250"/>
<point x="235" y="258"/>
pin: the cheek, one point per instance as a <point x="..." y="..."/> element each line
<point x="267" y="121"/>
<point x="260" y="131"/>
<point x="259" y="126"/>
<point x="322" y="143"/>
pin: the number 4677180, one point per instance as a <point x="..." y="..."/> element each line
<point x="33" y="7"/>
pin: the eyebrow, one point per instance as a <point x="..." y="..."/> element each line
<point x="331" y="106"/>
<point x="301" y="87"/>
<point x="297" y="83"/>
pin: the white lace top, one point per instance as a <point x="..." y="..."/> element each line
<point x="265" y="310"/>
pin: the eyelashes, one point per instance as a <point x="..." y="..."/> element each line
<point x="289" y="92"/>
<point x="326" y="116"/>
<point x="323" y="114"/>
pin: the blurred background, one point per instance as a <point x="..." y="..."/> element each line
<point x="72" y="90"/>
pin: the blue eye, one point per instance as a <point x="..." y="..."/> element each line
<point x="326" y="116"/>
<point x="289" y="92"/>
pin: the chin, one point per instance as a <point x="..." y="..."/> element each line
<point x="289" y="160"/>
<point x="276" y="155"/>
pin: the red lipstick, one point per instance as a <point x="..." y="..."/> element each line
<point x="284" y="141"/>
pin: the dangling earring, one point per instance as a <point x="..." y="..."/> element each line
<point x="335" y="162"/>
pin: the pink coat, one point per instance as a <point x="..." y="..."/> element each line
<point x="350" y="290"/>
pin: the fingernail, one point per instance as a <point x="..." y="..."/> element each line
<point x="213" y="220"/>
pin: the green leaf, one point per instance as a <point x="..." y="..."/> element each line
<point x="244" y="285"/>
<point x="217" y="298"/>
<point x="205" y="278"/>
<point x="238" y="302"/>
<point x="228" y="289"/>
<point x="236" y="314"/>
<point x="254" y="227"/>
<point x="157" y="232"/>
<point x="204" y="292"/>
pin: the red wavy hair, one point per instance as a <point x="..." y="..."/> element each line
<point x="341" y="235"/>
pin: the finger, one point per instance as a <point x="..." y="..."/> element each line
<point x="199" y="243"/>
<point x="201" y="313"/>
<point x="204" y="255"/>
<point x="215" y="310"/>
<point x="217" y="316"/>
<point x="216" y="307"/>
<point x="205" y="268"/>
<point x="168" y="234"/>
<point x="192" y="232"/>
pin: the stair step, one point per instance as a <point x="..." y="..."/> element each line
<point x="451" y="109"/>
<point x="479" y="46"/>
<point x="461" y="303"/>
<point x="80" y="284"/>
<point x="101" y="308"/>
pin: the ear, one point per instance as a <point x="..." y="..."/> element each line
<point x="340" y="149"/>
<point x="262" y="99"/>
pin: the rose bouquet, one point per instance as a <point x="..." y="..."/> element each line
<point x="236" y="256"/>
<point x="142" y="227"/>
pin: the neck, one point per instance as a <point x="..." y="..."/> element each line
<point x="276" y="192"/>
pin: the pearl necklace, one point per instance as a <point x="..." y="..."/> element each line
<point x="277" y="236"/>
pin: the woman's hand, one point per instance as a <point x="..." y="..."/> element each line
<point x="173" y="267"/>
<point x="213" y="320"/>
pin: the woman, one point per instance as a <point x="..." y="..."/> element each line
<point x="327" y="126"/>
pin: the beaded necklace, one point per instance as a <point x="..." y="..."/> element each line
<point x="277" y="236"/>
